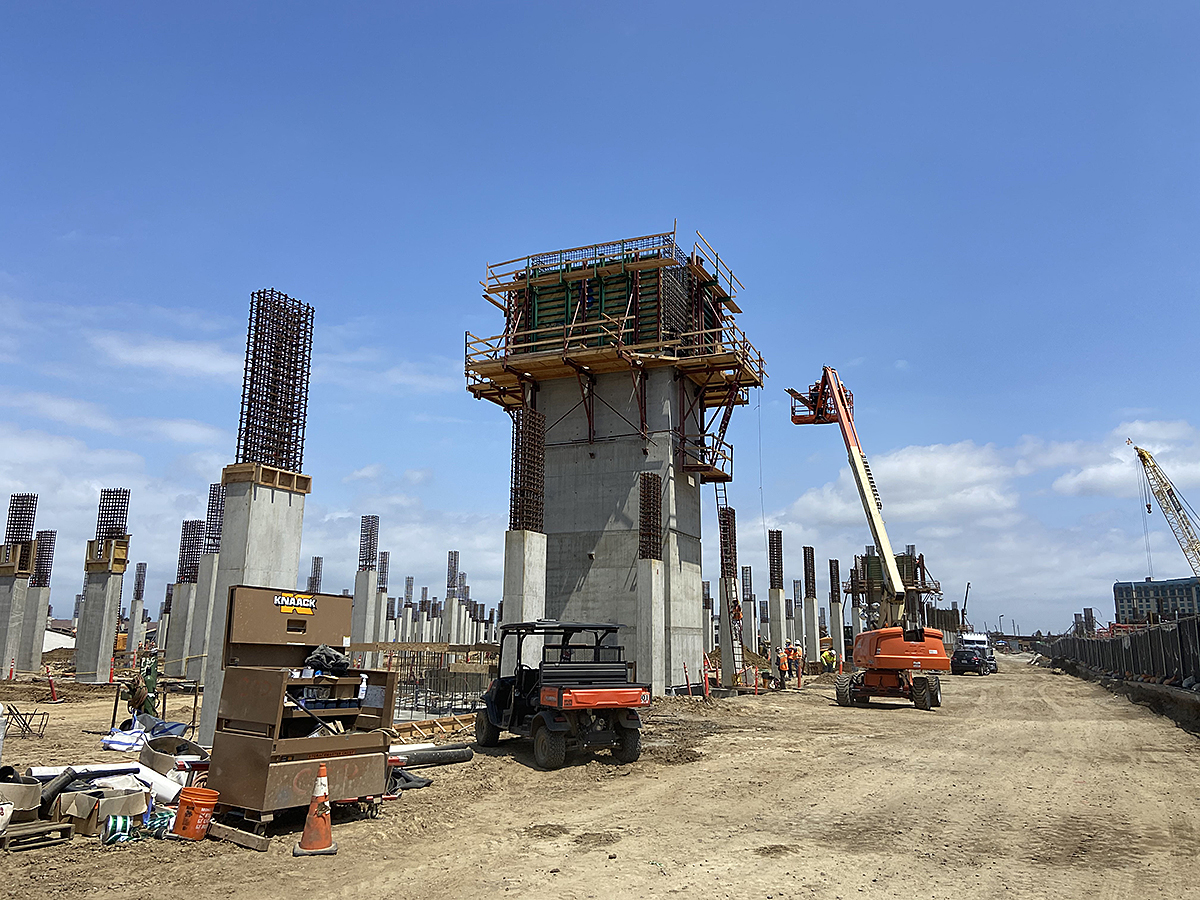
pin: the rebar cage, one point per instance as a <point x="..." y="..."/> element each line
<point x="275" y="386"/>
<point x="650" y="516"/>
<point x="384" y="562"/>
<point x="810" y="572"/>
<point x="775" y="559"/>
<point x="22" y="509"/>
<point x="112" y="517"/>
<point x="139" y="582"/>
<point x="527" y="501"/>
<point x="314" y="575"/>
<point x="191" y="542"/>
<point x="368" y="543"/>
<point x="215" y="519"/>
<point x="44" y="561"/>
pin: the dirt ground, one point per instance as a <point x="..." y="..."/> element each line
<point x="1023" y="784"/>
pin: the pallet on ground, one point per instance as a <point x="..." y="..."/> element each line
<point x="35" y="835"/>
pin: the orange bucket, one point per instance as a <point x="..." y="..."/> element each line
<point x="194" y="813"/>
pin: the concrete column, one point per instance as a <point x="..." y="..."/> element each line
<point x="812" y="635"/>
<point x="749" y="626"/>
<point x="775" y="606"/>
<point x="132" y="638"/>
<point x="727" y="597"/>
<point x="406" y="624"/>
<point x="179" y="636"/>
<point x="362" y="614"/>
<point x="835" y="629"/>
<point x="651" y="634"/>
<point x="13" y="590"/>
<point x="98" y="627"/>
<point x="524" y="588"/>
<point x="260" y="546"/>
<point x="856" y="624"/>
<point x="202" y="604"/>
<point x="33" y="629"/>
<point x="450" y="616"/>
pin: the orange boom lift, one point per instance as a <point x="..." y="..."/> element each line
<point x="896" y="654"/>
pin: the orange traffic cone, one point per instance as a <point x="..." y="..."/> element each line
<point x="317" y="839"/>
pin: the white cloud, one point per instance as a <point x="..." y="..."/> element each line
<point x="195" y="358"/>
<point x="980" y="514"/>
<point x="418" y="476"/>
<point x="366" y="473"/>
<point x="92" y="416"/>
<point x="67" y="410"/>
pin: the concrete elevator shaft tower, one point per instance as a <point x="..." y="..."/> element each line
<point x="625" y="359"/>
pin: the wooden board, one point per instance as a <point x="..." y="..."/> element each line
<point x="239" y="837"/>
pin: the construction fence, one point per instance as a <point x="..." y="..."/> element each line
<point x="434" y="684"/>
<point x="1170" y="651"/>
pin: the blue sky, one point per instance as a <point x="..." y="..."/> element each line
<point x="985" y="216"/>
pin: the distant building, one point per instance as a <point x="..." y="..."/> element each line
<point x="1168" y="599"/>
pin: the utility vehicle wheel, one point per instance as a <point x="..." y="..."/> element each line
<point x="857" y="693"/>
<point x="935" y="690"/>
<point x="920" y="693"/>
<point x="549" y="748"/>
<point x="985" y="669"/>
<point x="841" y="689"/>
<point x="629" y="745"/>
<point x="486" y="734"/>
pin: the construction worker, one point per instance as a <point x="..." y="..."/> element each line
<point x="793" y="658"/>
<point x="829" y="658"/>
<point x="781" y="661"/>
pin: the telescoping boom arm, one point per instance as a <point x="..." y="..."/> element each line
<point x="829" y="401"/>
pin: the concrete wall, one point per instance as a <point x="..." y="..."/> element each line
<point x="260" y="546"/>
<point x="592" y="511"/>
<point x="202" y="608"/>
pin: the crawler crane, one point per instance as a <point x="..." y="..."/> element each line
<point x="896" y="654"/>
<point x="1174" y="508"/>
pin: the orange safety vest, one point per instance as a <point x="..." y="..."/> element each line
<point x="782" y="663"/>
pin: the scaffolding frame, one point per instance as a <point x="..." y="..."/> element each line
<point x="623" y="306"/>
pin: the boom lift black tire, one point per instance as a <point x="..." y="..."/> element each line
<point x="486" y="734"/>
<point x="920" y="693"/>
<point x="549" y="748"/>
<point x="628" y="747"/>
<point x="841" y="689"/>
<point x="935" y="690"/>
